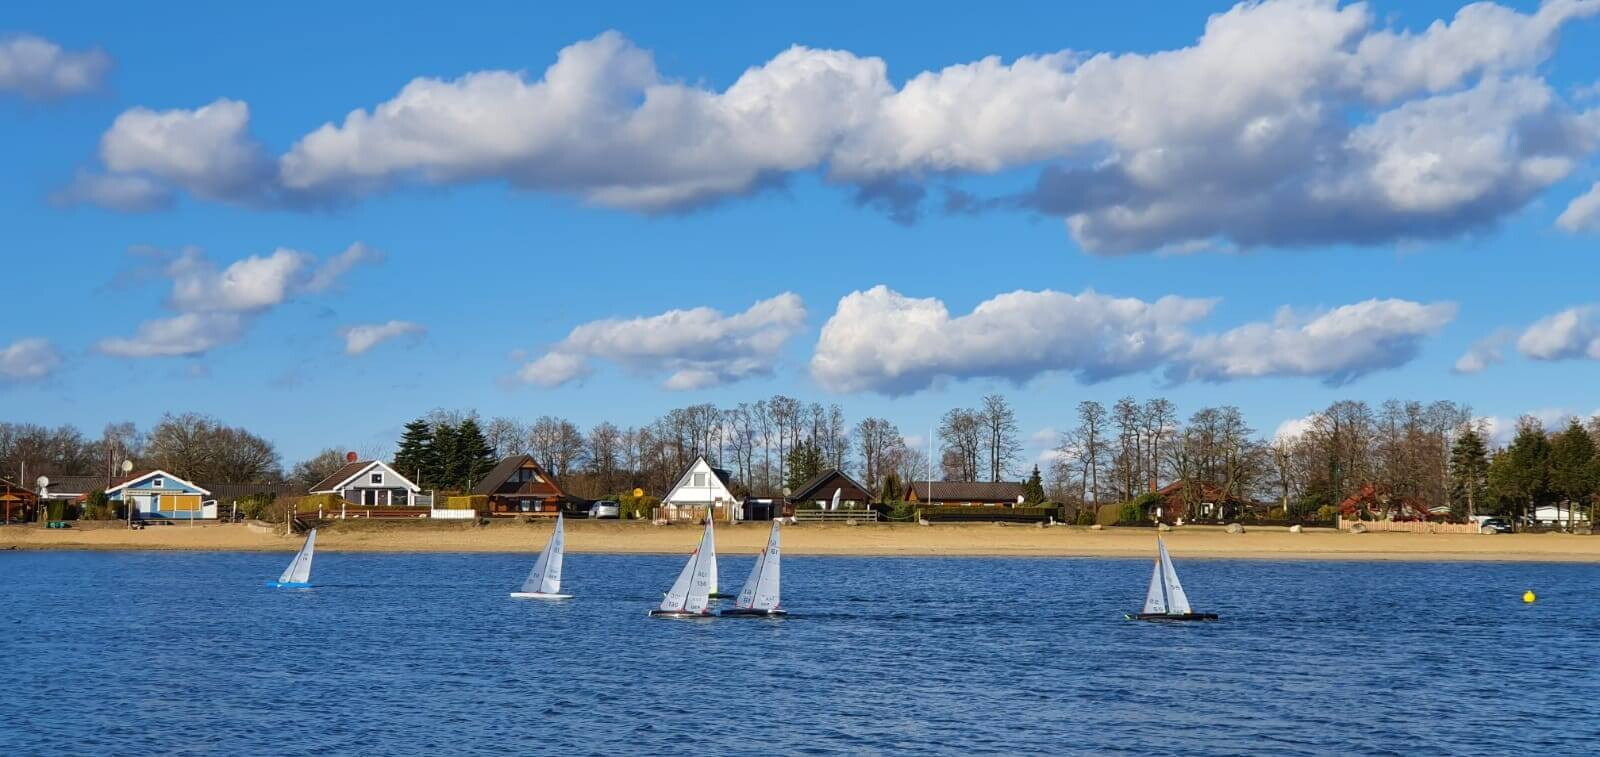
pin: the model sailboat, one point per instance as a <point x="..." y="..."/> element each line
<point x="690" y="595"/>
<point x="298" y="574"/>
<point x="759" y="597"/>
<point x="710" y="547"/>
<point x="1165" y="600"/>
<point x="544" y="581"/>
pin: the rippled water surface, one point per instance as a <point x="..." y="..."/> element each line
<point x="151" y="652"/>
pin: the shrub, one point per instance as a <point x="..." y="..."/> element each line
<point x="261" y="507"/>
<point x="635" y="508"/>
<point x="1327" y="512"/>
<point x="98" y="506"/>
<point x="901" y="510"/>
<point x="1085" y="517"/>
<point x="1129" y="512"/>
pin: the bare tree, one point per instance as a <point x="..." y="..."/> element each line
<point x="999" y="436"/>
<point x="877" y="442"/>
<point x="1090" y="446"/>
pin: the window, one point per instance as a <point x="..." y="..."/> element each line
<point x="377" y="478"/>
<point x="698" y="479"/>
<point x="155" y="483"/>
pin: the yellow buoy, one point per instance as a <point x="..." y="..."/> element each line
<point x="1528" y="597"/>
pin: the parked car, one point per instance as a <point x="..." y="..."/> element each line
<point x="604" y="508"/>
<point x="1495" y="526"/>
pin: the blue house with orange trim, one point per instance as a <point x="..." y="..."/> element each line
<point x="159" y="495"/>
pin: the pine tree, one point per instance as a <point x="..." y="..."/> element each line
<point x="892" y="490"/>
<point x="416" y="458"/>
<point x="1469" y="472"/>
<point x="1520" y="474"/>
<point x="1033" y="489"/>
<point x="804" y="463"/>
<point x="447" y="457"/>
<point x="1572" y="469"/>
<point x="474" y="453"/>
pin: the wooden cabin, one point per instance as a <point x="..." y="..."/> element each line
<point x="517" y="485"/>
<point x="818" y="492"/>
<point x="17" y="504"/>
<point x="966" y="493"/>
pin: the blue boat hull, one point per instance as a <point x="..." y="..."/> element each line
<point x="288" y="584"/>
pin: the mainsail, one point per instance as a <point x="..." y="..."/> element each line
<point x="545" y="578"/>
<point x="299" y="570"/>
<point x="692" y="591"/>
<point x="760" y="590"/>
<point x="1165" y="595"/>
<point x="708" y="547"/>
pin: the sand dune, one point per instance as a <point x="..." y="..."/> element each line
<point x="817" y="539"/>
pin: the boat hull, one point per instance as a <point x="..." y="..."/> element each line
<point x="1165" y="617"/>
<point x="716" y="595"/>
<point x="538" y="595"/>
<point x="738" y="612"/>
<point x="289" y="584"/>
<point x="679" y="614"/>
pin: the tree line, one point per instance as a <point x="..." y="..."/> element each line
<point x="1388" y="455"/>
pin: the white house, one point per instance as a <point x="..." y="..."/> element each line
<point x="1555" y="515"/>
<point x="159" y="494"/>
<point x="699" y="487"/>
<point x="371" y="483"/>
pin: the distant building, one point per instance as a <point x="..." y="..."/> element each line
<point x="1196" y="500"/>
<point x="369" y="483"/>
<point x="159" y="495"/>
<point x="517" y="485"/>
<point x="17" y="504"/>
<point x="819" y="491"/>
<point x="966" y="493"/>
<point x="701" y="488"/>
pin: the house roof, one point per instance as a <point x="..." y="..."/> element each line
<point x="809" y="488"/>
<point x="722" y="474"/>
<point x="503" y="470"/>
<point x="969" y="491"/>
<point x="1209" y="492"/>
<point x="349" y="471"/>
<point x="125" y="481"/>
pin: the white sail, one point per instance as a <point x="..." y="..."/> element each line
<point x="545" y="578"/>
<point x="708" y="548"/>
<point x="836" y="493"/>
<point x="692" y="591"/>
<point x="760" y="591"/>
<point x="1155" y="598"/>
<point x="299" y="570"/>
<point x="1177" y="601"/>
<point x="704" y="579"/>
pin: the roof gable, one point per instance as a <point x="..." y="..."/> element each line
<point x="501" y="473"/>
<point x="719" y="475"/>
<point x="820" y="481"/>
<point x="351" y="471"/>
<point x="136" y="478"/>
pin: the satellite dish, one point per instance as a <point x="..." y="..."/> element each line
<point x="127" y="466"/>
<point x="42" y="481"/>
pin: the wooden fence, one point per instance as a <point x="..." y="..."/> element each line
<point x="1410" y="527"/>
<point x="860" y="515"/>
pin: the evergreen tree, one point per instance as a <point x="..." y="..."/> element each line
<point x="448" y="466"/>
<point x="1469" y="471"/>
<point x="1572" y="469"/>
<point x="415" y="459"/>
<point x="803" y="463"/>
<point x="892" y="490"/>
<point x="1033" y="488"/>
<point x="1520" y="475"/>
<point x="473" y="452"/>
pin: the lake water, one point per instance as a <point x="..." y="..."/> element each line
<point x="137" y="653"/>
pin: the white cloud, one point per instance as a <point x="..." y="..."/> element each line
<point x="1286" y="122"/>
<point x="129" y="193"/>
<point x="186" y="334"/>
<point x="698" y="348"/>
<point x="880" y="340"/>
<point x="358" y="339"/>
<point x="1338" y="346"/>
<point x="1571" y="333"/>
<point x="1484" y="353"/>
<point x="28" y="360"/>
<point x="39" y="68"/>
<point x="215" y="306"/>
<point x="1294" y="427"/>
<point x="1583" y="213"/>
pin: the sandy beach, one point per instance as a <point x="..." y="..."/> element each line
<point x="831" y="539"/>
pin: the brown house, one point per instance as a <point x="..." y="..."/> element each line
<point x="965" y="493"/>
<point x="16" y="503"/>
<point x="1195" y="500"/>
<point x="819" y="491"/>
<point x="518" y="486"/>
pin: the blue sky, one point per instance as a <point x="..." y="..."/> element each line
<point x="1424" y="179"/>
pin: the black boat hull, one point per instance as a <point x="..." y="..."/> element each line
<point x="1161" y="616"/>
<point x="679" y="614"/>
<point x="750" y="613"/>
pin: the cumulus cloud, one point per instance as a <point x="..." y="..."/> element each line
<point x="1286" y="122"/>
<point x="1484" y="353"/>
<point x="38" y="68"/>
<point x="882" y="341"/>
<point x="1338" y="346"/>
<point x="697" y="348"/>
<point x="1583" y="213"/>
<point x="358" y="339"/>
<point x="28" y="360"/>
<point x="216" y="304"/>
<point x="1293" y="428"/>
<point x="1571" y="333"/>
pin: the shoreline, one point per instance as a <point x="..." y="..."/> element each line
<point x="812" y="539"/>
